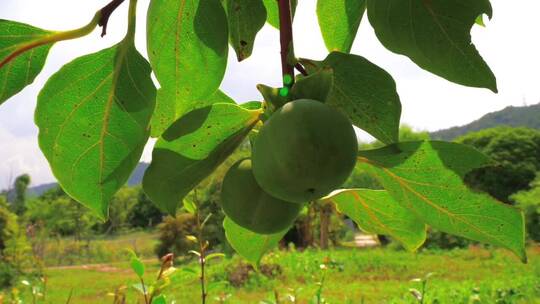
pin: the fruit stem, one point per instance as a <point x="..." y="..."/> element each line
<point x="286" y="40"/>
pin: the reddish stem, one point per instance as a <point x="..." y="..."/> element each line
<point x="286" y="38"/>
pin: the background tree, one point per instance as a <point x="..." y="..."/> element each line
<point x="529" y="202"/>
<point x="144" y="214"/>
<point x="121" y="205"/>
<point x="60" y="215"/>
<point x="516" y="159"/>
<point x="20" y="186"/>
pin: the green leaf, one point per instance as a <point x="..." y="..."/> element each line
<point x="339" y="21"/>
<point x="364" y="92"/>
<point x="252" y="105"/>
<point x="214" y="256"/>
<point x="192" y="148"/>
<point x="190" y="206"/>
<point x="187" y="46"/>
<point x="273" y="96"/>
<point x="93" y="117"/>
<point x="480" y="20"/>
<point x="427" y="178"/>
<point x="159" y="300"/>
<point x="246" y="18"/>
<point x="165" y="113"/>
<point x="375" y="211"/>
<point x="137" y="266"/>
<point x="316" y="86"/>
<point x="272" y="11"/>
<point x="435" y="35"/>
<point x="22" y="70"/>
<point x="248" y="244"/>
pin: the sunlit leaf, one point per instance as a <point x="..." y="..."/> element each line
<point x="137" y="266"/>
<point x="188" y="46"/>
<point x="427" y="178"/>
<point x="364" y="92"/>
<point x="480" y="21"/>
<point x="213" y="256"/>
<point x="375" y="211"/>
<point x="339" y="21"/>
<point x="435" y="35"/>
<point x="246" y="18"/>
<point x="192" y="148"/>
<point x="248" y="244"/>
<point x="93" y="117"/>
<point x="272" y="11"/>
<point x="20" y="71"/>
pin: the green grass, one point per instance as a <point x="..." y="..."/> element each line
<point x="371" y="276"/>
<point x="106" y="249"/>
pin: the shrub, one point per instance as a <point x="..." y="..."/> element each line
<point x="173" y="232"/>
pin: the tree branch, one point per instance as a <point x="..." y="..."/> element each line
<point x="106" y="13"/>
<point x="286" y="38"/>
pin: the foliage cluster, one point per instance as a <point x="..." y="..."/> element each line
<point x="108" y="104"/>
<point x="529" y="201"/>
<point x="515" y="160"/>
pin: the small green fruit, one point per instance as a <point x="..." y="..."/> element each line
<point x="304" y="151"/>
<point x="244" y="202"/>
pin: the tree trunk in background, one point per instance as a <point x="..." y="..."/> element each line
<point x="325" y="212"/>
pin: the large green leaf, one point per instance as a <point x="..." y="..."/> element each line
<point x="250" y="245"/>
<point x="427" y="178"/>
<point x="187" y="46"/>
<point x="93" y="117"/>
<point x="246" y="18"/>
<point x="192" y="148"/>
<point x="272" y="11"/>
<point x="375" y="211"/>
<point x="435" y="35"/>
<point x="21" y="71"/>
<point x="364" y="92"/>
<point x="165" y="112"/>
<point x="339" y="21"/>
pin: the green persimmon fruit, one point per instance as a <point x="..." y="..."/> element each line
<point x="304" y="151"/>
<point x="244" y="202"/>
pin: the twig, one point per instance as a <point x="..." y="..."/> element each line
<point x="286" y="39"/>
<point x="301" y="69"/>
<point x="202" y="257"/>
<point x="144" y="291"/>
<point x="106" y="13"/>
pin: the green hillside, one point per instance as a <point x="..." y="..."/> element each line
<point x="527" y="116"/>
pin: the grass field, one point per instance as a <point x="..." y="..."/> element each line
<point x="353" y="276"/>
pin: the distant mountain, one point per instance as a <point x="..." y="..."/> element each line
<point x="40" y="189"/>
<point x="526" y="116"/>
<point x="134" y="180"/>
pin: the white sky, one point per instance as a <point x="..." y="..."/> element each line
<point x="510" y="44"/>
